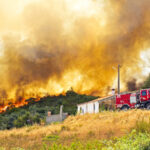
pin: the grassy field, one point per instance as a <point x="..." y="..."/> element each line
<point x="106" y="130"/>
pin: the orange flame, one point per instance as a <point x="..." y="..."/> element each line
<point x="20" y="103"/>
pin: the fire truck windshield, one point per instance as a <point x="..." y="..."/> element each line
<point x="144" y="93"/>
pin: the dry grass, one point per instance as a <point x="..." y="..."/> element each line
<point x="83" y="127"/>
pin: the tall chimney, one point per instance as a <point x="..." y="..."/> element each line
<point x="61" y="110"/>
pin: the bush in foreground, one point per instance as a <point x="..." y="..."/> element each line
<point x="133" y="141"/>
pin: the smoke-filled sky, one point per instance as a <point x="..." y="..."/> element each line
<point x="49" y="46"/>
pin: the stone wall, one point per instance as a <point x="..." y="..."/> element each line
<point x="56" y="118"/>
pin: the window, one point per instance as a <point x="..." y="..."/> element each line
<point x="132" y="99"/>
<point x="144" y="93"/>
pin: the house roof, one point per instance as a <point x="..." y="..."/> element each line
<point x="99" y="100"/>
<point x="105" y="98"/>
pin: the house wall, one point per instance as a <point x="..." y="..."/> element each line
<point x="82" y="109"/>
<point x="96" y="107"/>
<point x="92" y="107"/>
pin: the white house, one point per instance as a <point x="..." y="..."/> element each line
<point x="92" y="106"/>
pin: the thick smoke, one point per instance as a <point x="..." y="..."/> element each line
<point x="54" y="45"/>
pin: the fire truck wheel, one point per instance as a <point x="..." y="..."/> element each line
<point x="125" y="108"/>
<point x="148" y="106"/>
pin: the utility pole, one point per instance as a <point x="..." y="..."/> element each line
<point x="118" y="79"/>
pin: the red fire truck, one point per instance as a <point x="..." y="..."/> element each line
<point x="137" y="99"/>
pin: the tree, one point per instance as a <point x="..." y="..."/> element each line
<point x="147" y="82"/>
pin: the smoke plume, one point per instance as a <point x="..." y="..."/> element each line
<point x="50" y="46"/>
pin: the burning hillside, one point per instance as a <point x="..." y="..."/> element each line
<point x="19" y="103"/>
<point x="46" y="47"/>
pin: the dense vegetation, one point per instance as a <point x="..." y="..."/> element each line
<point x="35" y="112"/>
<point x="146" y="83"/>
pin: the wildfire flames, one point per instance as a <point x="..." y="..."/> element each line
<point x="19" y="103"/>
<point x="3" y="108"/>
<point x="49" y="46"/>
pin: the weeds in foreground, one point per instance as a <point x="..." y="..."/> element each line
<point x="18" y="148"/>
<point x="142" y="126"/>
<point x="51" y="138"/>
<point x="133" y="141"/>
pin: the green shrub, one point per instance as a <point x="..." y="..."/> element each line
<point x="102" y="107"/>
<point x="132" y="141"/>
<point x="51" y="138"/>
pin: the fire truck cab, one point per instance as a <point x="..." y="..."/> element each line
<point x="138" y="99"/>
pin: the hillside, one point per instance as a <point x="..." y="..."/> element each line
<point x="106" y="130"/>
<point x="36" y="111"/>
